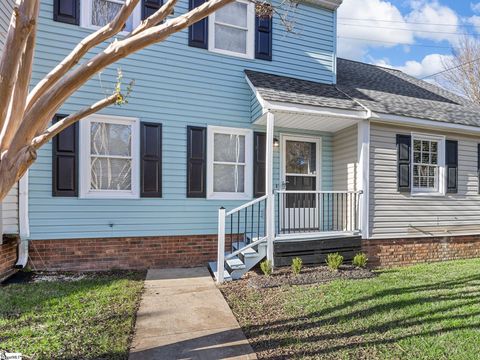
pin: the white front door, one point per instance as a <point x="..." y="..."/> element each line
<point x="300" y="172"/>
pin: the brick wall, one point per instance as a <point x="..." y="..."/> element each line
<point x="122" y="253"/>
<point x="8" y="256"/>
<point x="400" y="252"/>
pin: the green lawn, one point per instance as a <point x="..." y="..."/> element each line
<point x="91" y="318"/>
<point x="423" y="312"/>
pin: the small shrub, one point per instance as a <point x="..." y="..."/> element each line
<point x="297" y="265"/>
<point x="334" y="261"/>
<point x="266" y="267"/>
<point x="360" y="260"/>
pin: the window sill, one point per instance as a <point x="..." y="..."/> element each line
<point x="231" y="53"/>
<point x="227" y="196"/>
<point x="427" y="194"/>
<point x="120" y="196"/>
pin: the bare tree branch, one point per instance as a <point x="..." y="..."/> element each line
<point x="39" y="115"/>
<point x="92" y="40"/>
<point x="21" y="23"/>
<point x="59" y="126"/>
<point x="20" y="93"/>
<point x="156" y="18"/>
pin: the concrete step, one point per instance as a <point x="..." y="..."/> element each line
<point x="213" y="267"/>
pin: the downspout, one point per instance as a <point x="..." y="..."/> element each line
<point x="368" y="114"/>
<point x="23" y="222"/>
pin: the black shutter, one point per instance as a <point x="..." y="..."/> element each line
<point x="259" y="152"/>
<point x="196" y="161"/>
<point x="198" y="32"/>
<point x="404" y="154"/>
<point x="149" y="7"/>
<point x="66" y="11"/>
<point x="451" y="165"/>
<point x="151" y="159"/>
<point x="263" y="38"/>
<point x="65" y="161"/>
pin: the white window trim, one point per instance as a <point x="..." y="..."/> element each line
<point x="250" y="34"/>
<point x="248" y="186"/>
<point x="84" y="161"/>
<point x="441" y="165"/>
<point x="86" y="17"/>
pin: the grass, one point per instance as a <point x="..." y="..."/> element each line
<point x="92" y="318"/>
<point x="429" y="311"/>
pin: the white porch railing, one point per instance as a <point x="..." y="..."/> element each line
<point x="317" y="211"/>
<point x="245" y="225"/>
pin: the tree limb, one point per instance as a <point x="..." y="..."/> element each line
<point x="92" y="40"/>
<point x="156" y="18"/>
<point x="39" y="115"/>
<point x="21" y="23"/>
<point x="20" y="93"/>
<point x="59" y="126"/>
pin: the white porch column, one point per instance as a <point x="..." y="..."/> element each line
<point x="363" y="133"/>
<point x="270" y="211"/>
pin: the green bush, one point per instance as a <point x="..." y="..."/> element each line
<point x="297" y="265"/>
<point x="334" y="261"/>
<point x="266" y="267"/>
<point x="360" y="260"/>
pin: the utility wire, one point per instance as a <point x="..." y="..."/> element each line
<point x="396" y="43"/>
<point x="408" y="22"/>
<point x="403" y="29"/>
<point x="450" y="69"/>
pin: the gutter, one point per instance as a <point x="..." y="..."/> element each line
<point x="23" y="222"/>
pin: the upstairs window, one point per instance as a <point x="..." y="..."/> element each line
<point x="97" y="13"/>
<point x="232" y="30"/>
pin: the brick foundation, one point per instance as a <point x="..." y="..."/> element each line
<point x="400" y="252"/>
<point x="122" y="253"/>
<point x="8" y="256"/>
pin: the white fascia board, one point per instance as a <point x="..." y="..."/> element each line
<point x="263" y="103"/>
<point x="431" y="124"/>
<point x="317" y="110"/>
<point x="328" y="4"/>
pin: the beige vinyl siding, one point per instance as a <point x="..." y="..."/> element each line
<point x="345" y="163"/>
<point x="395" y="215"/>
<point x="10" y="212"/>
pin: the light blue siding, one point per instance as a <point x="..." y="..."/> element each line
<point x="177" y="86"/>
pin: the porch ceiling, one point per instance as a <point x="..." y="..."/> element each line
<point x="312" y="122"/>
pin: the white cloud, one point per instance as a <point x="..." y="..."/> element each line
<point x="370" y="12"/>
<point x="427" y="15"/>
<point x="422" y="22"/>
<point x="429" y="65"/>
<point x="475" y="7"/>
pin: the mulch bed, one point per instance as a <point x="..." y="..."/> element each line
<point x="309" y="275"/>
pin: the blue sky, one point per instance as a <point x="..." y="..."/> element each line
<point x="416" y="36"/>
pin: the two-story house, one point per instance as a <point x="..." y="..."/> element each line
<point x="245" y="138"/>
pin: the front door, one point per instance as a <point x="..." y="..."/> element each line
<point x="301" y="172"/>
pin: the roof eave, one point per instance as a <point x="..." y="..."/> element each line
<point x="328" y="4"/>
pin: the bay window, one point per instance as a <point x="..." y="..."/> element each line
<point x="229" y="170"/>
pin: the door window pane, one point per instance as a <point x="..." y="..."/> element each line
<point x="301" y="157"/>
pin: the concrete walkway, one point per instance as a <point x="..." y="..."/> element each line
<point x="183" y="315"/>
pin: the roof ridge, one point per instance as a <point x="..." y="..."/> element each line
<point x="378" y="66"/>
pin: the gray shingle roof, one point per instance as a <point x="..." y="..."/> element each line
<point x="296" y="91"/>
<point x="380" y="89"/>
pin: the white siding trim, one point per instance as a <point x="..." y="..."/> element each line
<point x="364" y="175"/>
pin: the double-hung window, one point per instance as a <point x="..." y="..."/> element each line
<point x="97" y="13"/>
<point x="428" y="164"/>
<point x="109" y="157"/>
<point x="229" y="171"/>
<point x="231" y="29"/>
